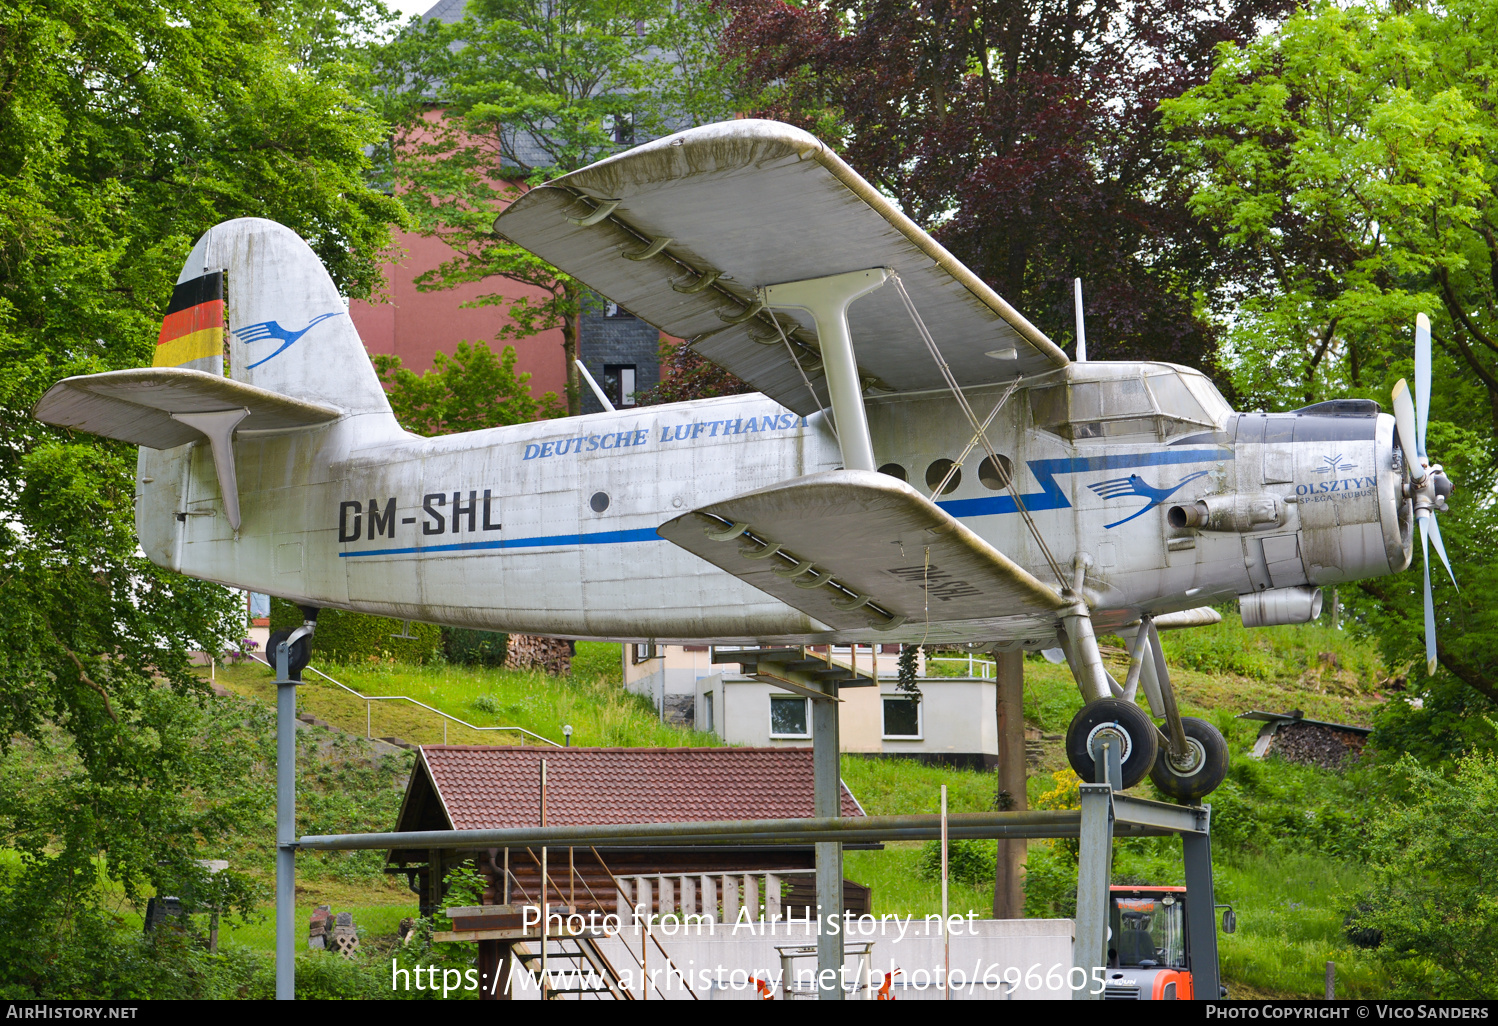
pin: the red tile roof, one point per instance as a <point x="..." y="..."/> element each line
<point x="497" y="787"/>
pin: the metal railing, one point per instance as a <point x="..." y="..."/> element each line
<point x="977" y="666"/>
<point x="369" y="701"/>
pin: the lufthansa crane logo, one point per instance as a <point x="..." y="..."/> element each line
<point x="1134" y="485"/>
<point x="272" y="329"/>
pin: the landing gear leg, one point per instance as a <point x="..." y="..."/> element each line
<point x="1194" y="758"/>
<point x="1137" y="735"/>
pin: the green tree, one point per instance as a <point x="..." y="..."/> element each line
<point x="1437" y="903"/>
<point x="1349" y="157"/>
<point x="126" y="130"/>
<point x="523" y="91"/>
<point x="471" y="390"/>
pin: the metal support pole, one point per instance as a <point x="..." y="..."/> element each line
<point x="827" y="803"/>
<point x="1201" y="911"/>
<point x="285" y="826"/>
<point x="1094" y="871"/>
<point x="286" y="835"/>
<point x="827" y="300"/>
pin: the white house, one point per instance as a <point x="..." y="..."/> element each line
<point x="954" y="721"/>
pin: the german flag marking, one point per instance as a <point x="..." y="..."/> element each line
<point x="194" y="325"/>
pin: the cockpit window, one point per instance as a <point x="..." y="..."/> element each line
<point x="1154" y="401"/>
<point x="1176" y="399"/>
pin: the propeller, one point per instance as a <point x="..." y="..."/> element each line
<point x="1428" y="485"/>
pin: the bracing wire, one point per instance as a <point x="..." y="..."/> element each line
<point x="979" y="430"/>
<point x="972" y="442"/>
<point x="804" y="379"/>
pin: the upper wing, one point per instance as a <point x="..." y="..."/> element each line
<point x="872" y="551"/>
<point x="760" y="203"/>
<point x="137" y="405"/>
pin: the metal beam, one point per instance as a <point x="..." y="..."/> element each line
<point x="1201" y="911"/>
<point x="285" y="826"/>
<point x="827" y="802"/>
<point x="1175" y="819"/>
<point x="1037" y="823"/>
<point x="1094" y="871"/>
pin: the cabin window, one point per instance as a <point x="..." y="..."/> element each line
<point x="902" y="719"/>
<point x="644" y="651"/>
<point x="789" y="716"/>
<point x="707" y="711"/>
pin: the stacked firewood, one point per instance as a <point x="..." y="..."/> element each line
<point x="1314" y="745"/>
<point x="532" y="651"/>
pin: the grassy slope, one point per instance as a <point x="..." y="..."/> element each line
<point x="1290" y="904"/>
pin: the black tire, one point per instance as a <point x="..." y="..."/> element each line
<point x="297" y="659"/>
<point x="1209" y="769"/>
<point x="1141" y="738"/>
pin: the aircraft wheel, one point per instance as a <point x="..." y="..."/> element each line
<point x="297" y="659"/>
<point x="1140" y="738"/>
<point x="1205" y="769"/>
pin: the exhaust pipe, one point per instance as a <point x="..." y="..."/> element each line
<point x="1280" y="606"/>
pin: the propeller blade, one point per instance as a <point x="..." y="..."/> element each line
<point x="1422" y="380"/>
<point x="1404" y="419"/>
<point x="1430" y="603"/>
<point x="1435" y="536"/>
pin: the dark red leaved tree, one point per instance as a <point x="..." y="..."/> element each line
<point x="1024" y="136"/>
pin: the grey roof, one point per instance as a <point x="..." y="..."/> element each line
<point x="1280" y="719"/>
<point x="448" y="11"/>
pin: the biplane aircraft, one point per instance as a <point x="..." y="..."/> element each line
<point x="921" y="464"/>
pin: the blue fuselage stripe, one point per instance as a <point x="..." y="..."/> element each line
<point x="600" y="538"/>
<point x="1052" y="497"/>
<point x="1049" y="497"/>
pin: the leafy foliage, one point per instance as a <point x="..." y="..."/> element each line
<point x="524" y="91"/>
<point x="126" y="130"/>
<point x="468" y="391"/>
<point x="1347" y="157"/>
<point x="1436" y="903"/>
<point x="466" y="647"/>
<point x="1025" y="134"/>
<point x="968" y="861"/>
<point x="358" y="637"/>
<point x="687" y="375"/>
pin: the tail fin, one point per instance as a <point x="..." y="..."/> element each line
<point x="295" y="360"/>
<point x="289" y="329"/>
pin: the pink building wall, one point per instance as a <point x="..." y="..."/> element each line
<point x="416" y="325"/>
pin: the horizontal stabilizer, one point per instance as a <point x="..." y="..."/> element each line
<point x="858" y="549"/>
<point x="138" y="405"/>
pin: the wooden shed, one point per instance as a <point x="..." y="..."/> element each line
<point x="462" y="787"/>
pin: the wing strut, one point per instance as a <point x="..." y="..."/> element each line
<point x="827" y="300"/>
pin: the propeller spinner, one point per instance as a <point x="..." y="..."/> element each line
<point x="1428" y="484"/>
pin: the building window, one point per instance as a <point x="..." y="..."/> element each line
<point x="644" y="651"/>
<point x="624" y="125"/>
<point x="788" y="716"/>
<point x="707" y="711"/>
<point x="619" y="383"/>
<point x="612" y="309"/>
<point x="902" y="718"/>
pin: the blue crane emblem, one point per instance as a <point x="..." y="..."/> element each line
<point x="272" y="329"/>
<point x="1121" y="487"/>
